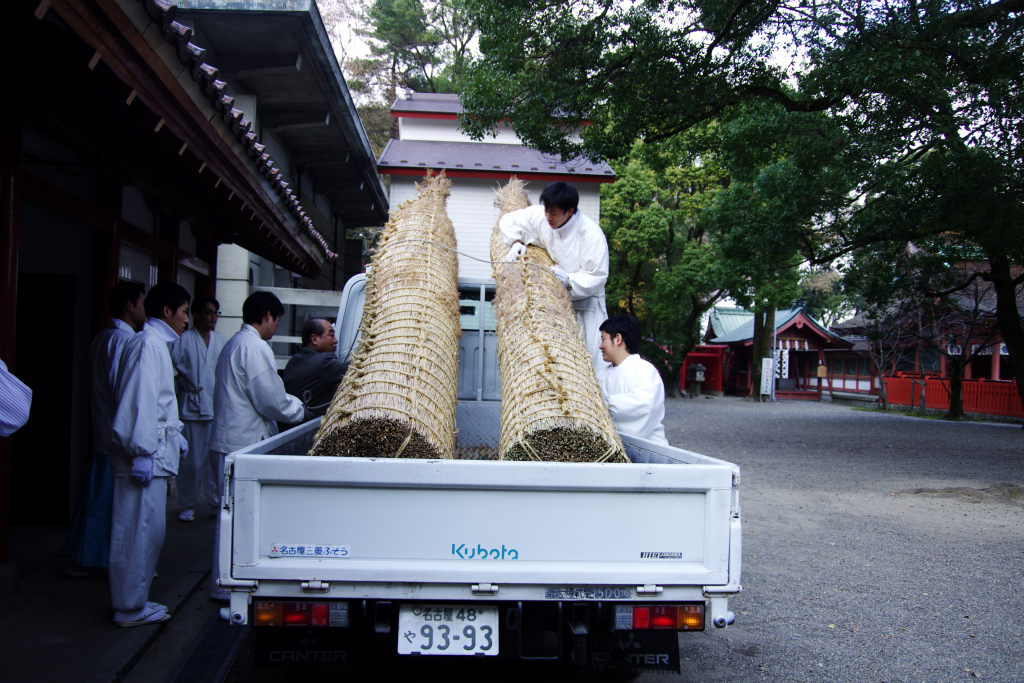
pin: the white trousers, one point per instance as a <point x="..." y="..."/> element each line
<point x="216" y="592"/>
<point x="197" y="472"/>
<point x="590" y="322"/>
<point x="136" y="538"/>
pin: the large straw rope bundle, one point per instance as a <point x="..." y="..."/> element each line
<point x="398" y="397"/>
<point x="552" y="407"/>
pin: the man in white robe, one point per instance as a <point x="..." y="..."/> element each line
<point x="631" y="386"/>
<point x="579" y="249"/>
<point x="249" y="397"/>
<point x="15" y="402"/>
<point x="145" y="447"/>
<point x="195" y="360"/>
<point x="89" y="535"/>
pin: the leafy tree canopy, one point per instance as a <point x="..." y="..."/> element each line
<point x="939" y="72"/>
<point x="664" y="270"/>
<point x="911" y="111"/>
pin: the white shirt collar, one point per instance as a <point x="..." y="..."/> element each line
<point x="570" y="225"/>
<point x="162" y="330"/>
<point x="118" y="324"/>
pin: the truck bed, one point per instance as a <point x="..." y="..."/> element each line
<point x="665" y="526"/>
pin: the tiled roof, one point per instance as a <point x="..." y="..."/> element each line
<point x="745" y="331"/>
<point x="476" y="158"/>
<point x="427" y="103"/>
<point x="205" y="75"/>
<point x="725" y="319"/>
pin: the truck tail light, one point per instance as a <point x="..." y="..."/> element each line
<point x="659" y="617"/>
<point x="276" y="613"/>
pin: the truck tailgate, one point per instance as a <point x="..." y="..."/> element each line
<point x="360" y="520"/>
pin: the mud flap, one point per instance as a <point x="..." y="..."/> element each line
<point x="636" y="651"/>
<point x="304" y="649"/>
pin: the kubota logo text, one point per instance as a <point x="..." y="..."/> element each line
<point x="464" y="552"/>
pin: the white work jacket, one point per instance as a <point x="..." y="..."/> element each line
<point x="249" y="398"/>
<point x="580" y="248"/>
<point x="15" y="402"/>
<point x="146" y="420"/>
<point x="635" y="396"/>
<point x="106" y="352"/>
<point x="196" y="365"/>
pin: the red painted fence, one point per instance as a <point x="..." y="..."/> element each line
<point x="980" y="395"/>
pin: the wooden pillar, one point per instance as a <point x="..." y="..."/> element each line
<point x="108" y="252"/>
<point x="995" y="359"/>
<point x="10" y="164"/>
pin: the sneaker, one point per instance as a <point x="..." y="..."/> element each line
<point x="188" y="515"/>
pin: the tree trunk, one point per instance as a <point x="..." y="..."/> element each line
<point x="671" y="380"/>
<point x="883" y="392"/>
<point x="956" y="390"/>
<point x="1008" y="317"/>
<point x="768" y="339"/>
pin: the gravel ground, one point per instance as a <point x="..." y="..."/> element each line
<point x="878" y="547"/>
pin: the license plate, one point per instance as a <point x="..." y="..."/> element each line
<point x="448" y="630"/>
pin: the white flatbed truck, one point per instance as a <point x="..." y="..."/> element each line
<point x="354" y="562"/>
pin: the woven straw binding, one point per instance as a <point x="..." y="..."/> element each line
<point x="552" y="407"/>
<point x="398" y="397"/>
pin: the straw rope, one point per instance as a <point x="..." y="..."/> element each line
<point x="398" y="397"/>
<point x="552" y="409"/>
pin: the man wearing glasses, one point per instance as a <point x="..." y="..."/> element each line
<point x="195" y="362"/>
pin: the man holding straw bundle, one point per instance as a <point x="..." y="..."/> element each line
<point x="579" y="249"/>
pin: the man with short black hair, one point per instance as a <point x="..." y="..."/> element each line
<point x="579" y="249"/>
<point x="89" y="534"/>
<point x="145" y="447"/>
<point x="314" y="372"/>
<point x="195" y="360"/>
<point x="249" y="398"/>
<point x="632" y="387"/>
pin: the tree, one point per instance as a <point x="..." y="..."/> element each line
<point x="932" y="295"/>
<point x="664" y="270"/>
<point x="959" y="326"/>
<point x="926" y="96"/>
<point x="822" y="296"/>
<point x="425" y="47"/>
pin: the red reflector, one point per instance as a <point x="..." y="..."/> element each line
<point x="641" y="617"/>
<point x="320" y="616"/>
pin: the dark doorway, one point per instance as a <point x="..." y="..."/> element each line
<point x="40" y="450"/>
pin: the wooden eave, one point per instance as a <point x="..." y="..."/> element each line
<point x="139" y="42"/>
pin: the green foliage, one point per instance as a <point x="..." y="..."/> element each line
<point x="424" y="47"/>
<point x="910" y="110"/>
<point x="663" y="268"/>
<point x="822" y="296"/>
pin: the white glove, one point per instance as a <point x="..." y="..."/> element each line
<point x="142" y="469"/>
<point x="518" y="249"/>
<point x="562" y="276"/>
<point x="182" y="446"/>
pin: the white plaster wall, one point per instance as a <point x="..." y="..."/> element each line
<point x="473" y="215"/>
<point x="447" y="130"/>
